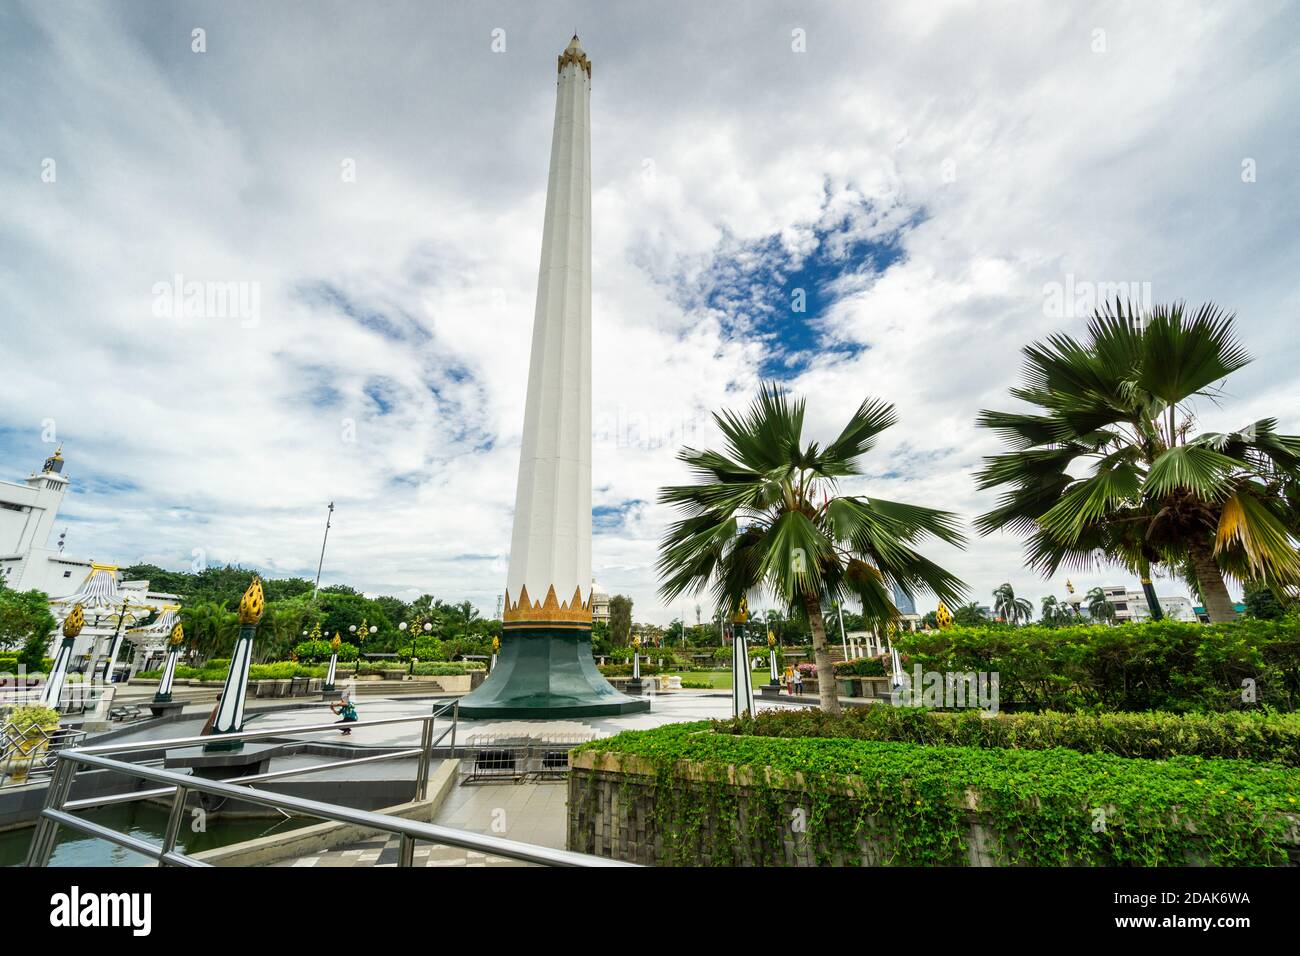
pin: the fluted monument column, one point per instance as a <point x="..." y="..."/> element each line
<point x="545" y="667"/>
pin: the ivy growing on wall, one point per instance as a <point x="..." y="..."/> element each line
<point x="721" y="798"/>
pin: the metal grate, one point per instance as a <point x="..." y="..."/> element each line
<point x="514" y="759"/>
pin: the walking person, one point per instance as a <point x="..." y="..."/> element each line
<point x="798" y="681"/>
<point x="345" y="709"/>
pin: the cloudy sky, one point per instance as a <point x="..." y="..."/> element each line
<point x="922" y="175"/>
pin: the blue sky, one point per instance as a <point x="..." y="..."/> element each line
<point x="921" y="173"/>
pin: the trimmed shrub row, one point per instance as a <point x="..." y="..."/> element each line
<point x="1158" y="665"/>
<point x="1258" y="736"/>
<point x="915" y="802"/>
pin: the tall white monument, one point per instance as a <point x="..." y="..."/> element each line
<point x="545" y="667"/>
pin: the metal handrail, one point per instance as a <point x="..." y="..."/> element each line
<point x="422" y="771"/>
<point x="411" y="831"/>
<point x="55" y="813"/>
<point x="170" y="743"/>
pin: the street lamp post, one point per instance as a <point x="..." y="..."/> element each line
<point x="415" y="628"/>
<point x="361" y="635"/>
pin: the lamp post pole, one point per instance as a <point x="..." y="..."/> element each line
<point x="414" y="627"/>
<point x="321" y="564"/>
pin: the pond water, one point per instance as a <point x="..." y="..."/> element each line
<point x="146" y="821"/>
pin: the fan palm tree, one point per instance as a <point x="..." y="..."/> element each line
<point x="1010" y="608"/>
<point x="1056" y="612"/>
<point x="1099" y="606"/>
<point x="765" y="515"/>
<point x="1149" y="491"/>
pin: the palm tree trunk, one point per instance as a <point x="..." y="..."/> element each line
<point x="1218" y="603"/>
<point x="826" y="690"/>
<point x="1153" y="602"/>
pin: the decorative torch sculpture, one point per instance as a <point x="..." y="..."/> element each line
<point x="230" y="709"/>
<point x="330" y="674"/>
<point x="72" y="625"/>
<point x="742" y="691"/>
<point x="164" y="694"/>
<point x="943" y="616"/>
<point x="773" y="673"/>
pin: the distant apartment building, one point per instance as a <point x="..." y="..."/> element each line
<point x="1132" y="605"/>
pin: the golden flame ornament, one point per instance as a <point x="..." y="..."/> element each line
<point x="178" y="634"/>
<point x="74" y="622"/>
<point x="496" y="644"/>
<point x="253" y="603"/>
<point x="335" y="644"/>
<point x="943" y="616"/>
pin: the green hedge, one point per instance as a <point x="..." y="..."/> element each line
<point x="279" y="670"/>
<point x="321" y="651"/>
<point x="912" y="800"/>
<point x="1159" y="665"/>
<point x="861" y="667"/>
<point x="625" y="670"/>
<point x="1261" y="737"/>
<point x="447" y="668"/>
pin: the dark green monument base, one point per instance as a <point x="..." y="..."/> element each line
<point x="544" y="672"/>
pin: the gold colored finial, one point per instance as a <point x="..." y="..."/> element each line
<point x="496" y="644"/>
<point x="315" y="632"/>
<point x="253" y="603"/>
<point x="178" y="635"/>
<point x="1069" y="586"/>
<point x="335" y="644"/>
<point x="74" y="622"/>
<point x="741" y="614"/>
<point x="573" y="54"/>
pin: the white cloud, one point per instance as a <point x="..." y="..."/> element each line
<point x="225" y="166"/>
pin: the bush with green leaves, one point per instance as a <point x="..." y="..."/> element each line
<point x="447" y="668"/>
<point x="319" y="650"/>
<point x="625" y="670"/>
<point x="914" y="802"/>
<point x="30" y="717"/>
<point x="1259" y="736"/>
<point x="861" y="667"/>
<point x="1153" y="665"/>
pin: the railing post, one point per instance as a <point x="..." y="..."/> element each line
<point x="406" y="852"/>
<point x="43" y="838"/>
<point x="173" y="824"/>
<point x="455" y="722"/>
<point x="426" y="746"/>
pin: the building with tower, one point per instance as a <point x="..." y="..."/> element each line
<point x="32" y="558"/>
<point x="31" y="555"/>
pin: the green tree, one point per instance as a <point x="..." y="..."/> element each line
<point x="620" y="619"/>
<point x="969" y="615"/>
<point x="1262" y="603"/>
<point x="1099" y="606"/>
<point x="766" y="514"/>
<point x="210" y="629"/>
<point x="1118" y="404"/>
<point x="25" y="617"/>
<point x="1010" y="608"/>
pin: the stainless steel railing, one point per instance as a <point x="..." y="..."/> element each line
<point x="57" y="811"/>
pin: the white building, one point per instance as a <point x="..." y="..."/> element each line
<point x="30" y="560"/>
<point x="1132" y="605"/>
<point x="599" y="603"/>
<point x="28" y="512"/>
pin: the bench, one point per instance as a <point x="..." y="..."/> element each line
<point x="129" y="712"/>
